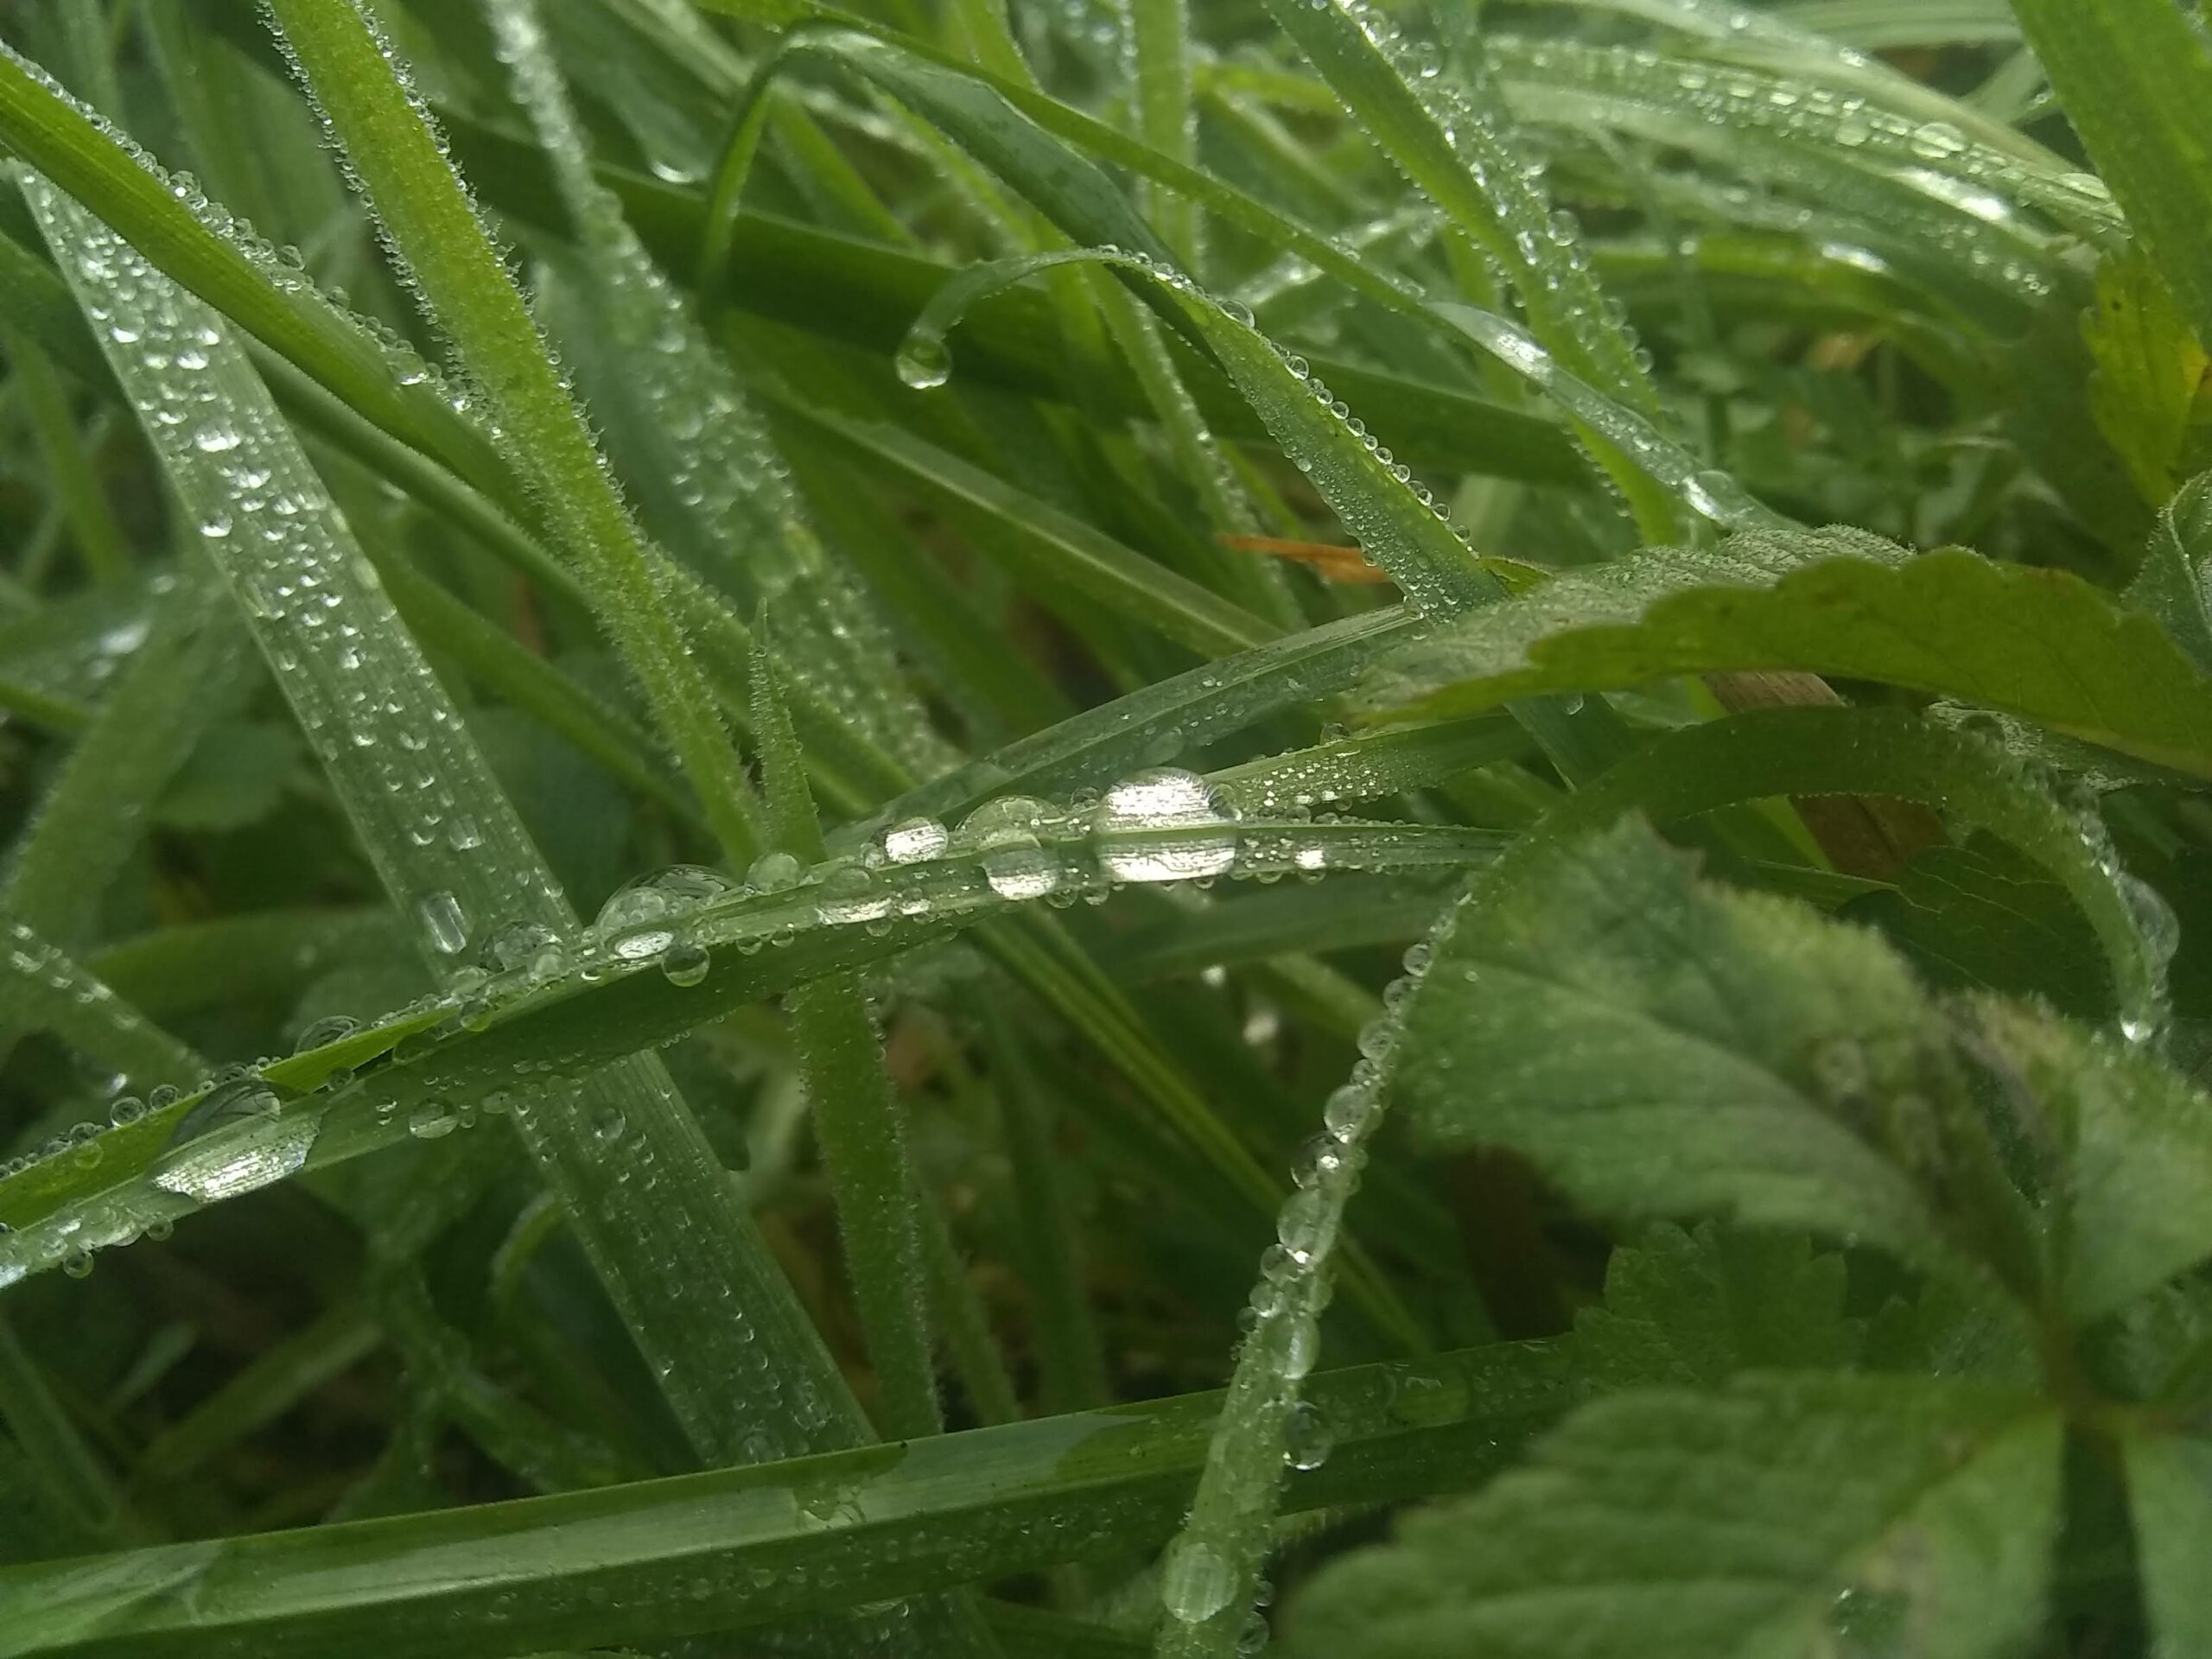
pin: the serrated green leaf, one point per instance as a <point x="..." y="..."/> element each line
<point x="2041" y="643"/>
<point x="2174" y="582"/>
<point x="1692" y="1308"/>
<point x="1660" y="1047"/>
<point x="2137" y="1140"/>
<point x="2150" y="372"/>
<point x="1984" y="916"/>
<point x="1780" y="1518"/>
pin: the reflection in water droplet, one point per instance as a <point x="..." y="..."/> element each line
<point x="1166" y="800"/>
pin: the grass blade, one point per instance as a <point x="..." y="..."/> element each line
<point x="857" y="1118"/>
<point x="467" y="291"/>
<point x="622" y="1565"/>
<point x="2135" y="78"/>
<point x="458" y="864"/>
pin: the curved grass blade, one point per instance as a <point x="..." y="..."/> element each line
<point x="468" y="292"/>
<point x="1210" y="1575"/>
<point x="1788" y="42"/>
<point x="658" y="1560"/>
<point x="1959" y="201"/>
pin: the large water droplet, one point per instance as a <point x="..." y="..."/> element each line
<point x="924" y="362"/>
<point x="444" y="921"/>
<point x="914" y="839"/>
<point x="1308" y="1437"/>
<point x="685" y="961"/>
<point x="1165" y="803"/>
<point x="1015" y="862"/>
<point x="1196" y="1580"/>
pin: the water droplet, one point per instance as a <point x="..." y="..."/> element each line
<point x="1937" y="141"/>
<point x="1165" y="802"/>
<point x="332" y="1027"/>
<point x="444" y="921"/>
<point x="685" y="961"/>
<point x="775" y="873"/>
<point x="1196" y="1580"/>
<point x="924" y="362"/>
<point x="1308" y="1437"/>
<point x="1015" y="862"/>
<point x="914" y="839"/>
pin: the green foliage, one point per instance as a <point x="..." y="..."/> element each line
<point x="781" y="766"/>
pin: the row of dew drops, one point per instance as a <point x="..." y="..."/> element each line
<point x="1158" y="825"/>
<point x="1266" y="1428"/>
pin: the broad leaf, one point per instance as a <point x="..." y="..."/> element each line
<point x="2175" y="584"/>
<point x="1659" y="1047"/>
<point x="2169" y="1493"/>
<point x="1696" y="1307"/>
<point x="1784" y="1518"/>
<point x="2037" y="643"/>
<point x="2138" y="1141"/>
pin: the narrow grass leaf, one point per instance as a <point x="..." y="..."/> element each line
<point x="857" y="1117"/>
<point x="648" y="1199"/>
<point x="466" y="289"/>
<point x="623" y="1565"/>
<point x="2133" y="78"/>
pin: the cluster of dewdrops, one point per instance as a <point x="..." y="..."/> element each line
<point x="1266" y="1428"/>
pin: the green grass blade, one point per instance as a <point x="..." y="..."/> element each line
<point x="857" y="1118"/>
<point x="199" y="245"/>
<point x="93" y="817"/>
<point x="2135" y="78"/>
<point x="1450" y="145"/>
<point x="1161" y="723"/>
<point x="91" y="521"/>
<point x="650" y="1202"/>
<point x="610" y="997"/>
<point x="1060" y="555"/>
<point x="1210" y="1576"/>
<point x="623" y="1565"/>
<point x="1166" y="116"/>
<point x="42" y="988"/>
<point x="700" y="439"/>
<point x="468" y="292"/>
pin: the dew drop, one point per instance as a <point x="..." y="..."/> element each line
<point x="1165" y="802"/>
<point x="684" y="960"/>
<point x="924" y="363"/>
